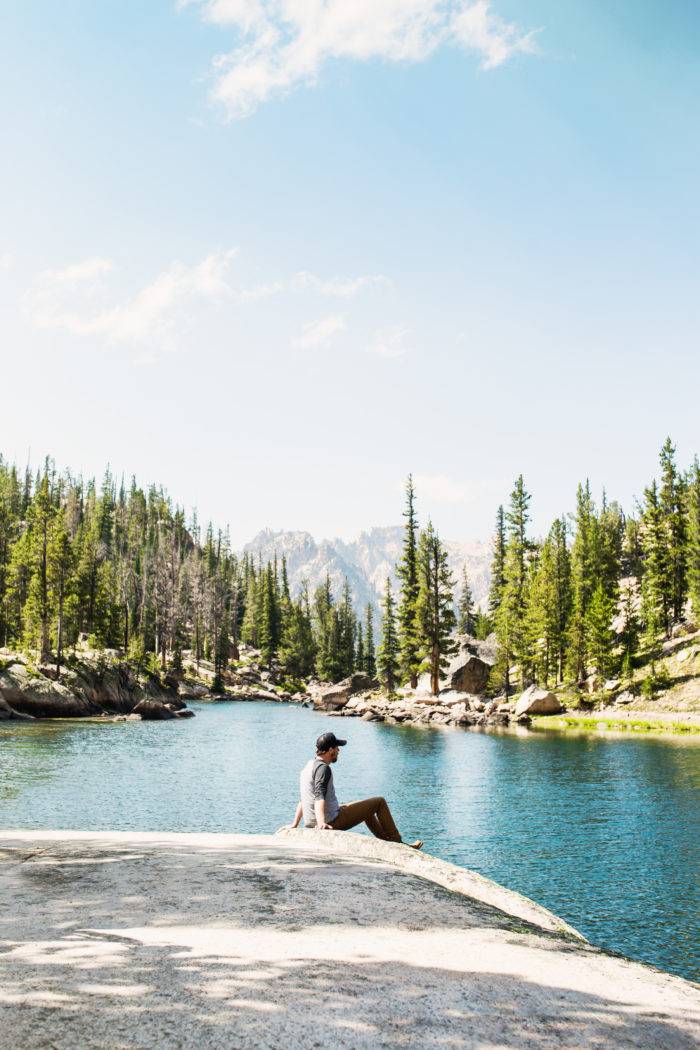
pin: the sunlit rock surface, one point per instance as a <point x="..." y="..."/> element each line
<point x="305" y="939"/>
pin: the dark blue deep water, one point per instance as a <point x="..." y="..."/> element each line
<point x="603" y="830"/>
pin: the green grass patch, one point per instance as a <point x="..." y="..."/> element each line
<point x="625" y="725"/>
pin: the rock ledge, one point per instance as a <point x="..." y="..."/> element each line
<point x="312" y="939"/>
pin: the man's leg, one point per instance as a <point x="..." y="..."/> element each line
<point x="391" y="832"/>
<point x="376" y="815"/>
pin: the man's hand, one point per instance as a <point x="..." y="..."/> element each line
<point x="326" y="827"/>
<point x="296" y="822"/>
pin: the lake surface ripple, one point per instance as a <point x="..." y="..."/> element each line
<point x="604" y="831"/>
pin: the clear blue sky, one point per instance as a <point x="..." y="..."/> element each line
<point x="278" y="254"/>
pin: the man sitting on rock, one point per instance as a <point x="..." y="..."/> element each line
<point x="319" y="806"/>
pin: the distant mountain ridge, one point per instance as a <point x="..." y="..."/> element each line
<point x="366" y="561"/>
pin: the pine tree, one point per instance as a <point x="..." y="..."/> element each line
<point x="38" y="608"/>
<point x="560" y="608"/>
<point x="653" y="624"/>
<point x="297" y="652"/>
<point x="10" y="497"/>
<point x="583" y="576"/>
<point x="632" y="553"/>
<point x="251" y="626"/>
<point x="610" y="535"/>
<point x="498" y="563"/>
<point x="548" y="603"/>
<point x="466" y="622"/>
<point x="347" y="628"/>
<point x="600" y="638"/>
<point x="511" y="628"/>
<point x="672" y="501"/>
<point x="435" y="606"/>
<point x="656" y="581"/>
<point x="370" y="662"/>
<point x="693" y="547"/>
<point x="270" y="626"/>
<point x="388" y="651"/>
<point x="407" y="572"/>
<point x="629" y="635"/>
<point x="360" y="648"/>
<point x="483" y="625"/>
<point x="327" y="623"/>
<point x="61" y="583"/>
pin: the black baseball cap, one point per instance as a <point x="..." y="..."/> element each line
<point x="328" y="740"/>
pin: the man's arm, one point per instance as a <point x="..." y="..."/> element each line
<point x="320" y="811"/>
<point x="297" y="819"/>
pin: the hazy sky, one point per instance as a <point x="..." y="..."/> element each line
<point x="276" y="254"/>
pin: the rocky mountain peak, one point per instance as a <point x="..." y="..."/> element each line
<point x="366" y="561"/>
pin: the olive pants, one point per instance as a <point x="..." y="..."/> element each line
<point x="376" y="815"/>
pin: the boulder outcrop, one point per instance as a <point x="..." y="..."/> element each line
<point x="154" y="711"/>
<point x="87" y="688"/>
<point x="336" y="696"/>
<point x="536" y="701"/>
<point x="468" y="671"/>
<point x="8" y="713"/>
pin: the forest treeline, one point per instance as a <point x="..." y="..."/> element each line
<point x="121" y="565"/>
<point x="596" y="597"/>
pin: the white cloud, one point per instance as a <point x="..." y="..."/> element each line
<point x="80" y="299"/>
<point x="7" y="261"/>
<point x="340" y="287"/>
<point x="72" y="299"/>
<point x="320" y="333"/>
<point x="389" y="342"/>
<point x="478" y="29"/>
<point x="343" y="287"/>
<point x="261" y="291"/>
<point x="438" y="488"/>
<point x="285" y="43"/>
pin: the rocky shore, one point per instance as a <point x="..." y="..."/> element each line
<point x="104" y="684"/>
<point x="308" y="939"/>
<point x="94" y="685"/>
<point x="462" y="700"/>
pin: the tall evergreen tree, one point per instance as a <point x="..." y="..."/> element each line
<point x="61" y="582"/>
<point x="511" y="630"/>
<point x="370" y="662"/>
<point x="548" y="600"/>
<point x="270" y="627"/>
<point x="297" y="652"/>
<point x="657" y="590"/>
<point x="583" y="577"/>
<point x="347" y="629"/>
<point x="600" y="639"/>
<point x="360" y="648"/>
<point x="672" y="501"/>
<point x="693" y="548"/>
<point x="435" y="606"/>
<point x="327" y="634"/>
<point x="629" y="635"/>
<point x="466" y="620"/>
<point x="388" y="651"/>
<point x="498" y="563"/>
<point x="38" y="608"/>
<point x="407" y="572"/>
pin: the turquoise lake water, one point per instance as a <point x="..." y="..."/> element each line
<point x="604" y="831"/>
